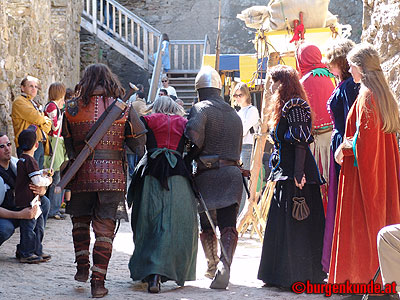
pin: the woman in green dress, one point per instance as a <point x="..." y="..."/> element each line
<point x="164" y="214"/>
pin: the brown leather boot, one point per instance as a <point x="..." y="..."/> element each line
<point x="97" y="288"/>
<point x="229" y="238"/>
<point x="104" y="232"/>
<point x="81" y="238"/>
<point x="210" y="246"/>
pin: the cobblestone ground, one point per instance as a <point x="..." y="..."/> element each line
<point x="54" y="279"/>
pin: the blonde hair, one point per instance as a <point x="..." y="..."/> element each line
<point x="166" y="105"/>
<point x="57" y="91"/>
<point x="366" y="58"/>
<point x="244" y="89"/>
<point x="336" y="52"/>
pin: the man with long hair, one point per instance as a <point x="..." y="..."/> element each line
<point x="99" y="185"/>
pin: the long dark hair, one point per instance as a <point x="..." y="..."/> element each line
<point x="289" y="88"/>
<point x="98" y="75"/>
<point x="164" y="37"/>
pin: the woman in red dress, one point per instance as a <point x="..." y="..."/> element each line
<point x="369" y="189"/>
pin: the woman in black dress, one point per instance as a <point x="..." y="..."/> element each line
<point x="292" y="248"/>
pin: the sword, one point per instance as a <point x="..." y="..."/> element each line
<point x="246" y="188"/>
<point x="365" y="296"/>
<point x="207" y="212"/>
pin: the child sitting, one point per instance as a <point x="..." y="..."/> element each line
<point x="31" y="231"/>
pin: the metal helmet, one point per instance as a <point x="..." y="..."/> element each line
<point x="208" y="78"/>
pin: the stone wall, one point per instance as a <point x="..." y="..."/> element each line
<point x="38" y="38"/>
<point x="349" y="12"/>
<point x="93" y="50"/>
<point x="381" y="24"/>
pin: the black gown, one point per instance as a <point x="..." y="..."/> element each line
<point x="292" y="249"/>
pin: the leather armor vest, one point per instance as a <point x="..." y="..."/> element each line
<point x="104" y="170"/>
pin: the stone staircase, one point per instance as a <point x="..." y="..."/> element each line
<point x="138" y="41"/>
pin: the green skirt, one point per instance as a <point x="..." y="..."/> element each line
<point x="165" y="231"/>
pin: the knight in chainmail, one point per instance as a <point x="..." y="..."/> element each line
<point x="215" y="131"/>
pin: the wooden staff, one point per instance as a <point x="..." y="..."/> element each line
<point x="247" y="215"/>
<point x="217" y="44"/>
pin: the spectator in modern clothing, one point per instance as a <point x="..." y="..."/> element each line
<point x="10" y="216"/>
<point x="52" y="110"/>
<point x="134" y="96"/>
<point x="165" y="85"/>
<point x="250" y="121"/>
<point x="389" y="256"/>
<point x="139" y="105"/>
<point x="163" y="92"/>
<point x="165" y="52"/>
<point x="25" y="111"/>
<point x="31" y="230"/>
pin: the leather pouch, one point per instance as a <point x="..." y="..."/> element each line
<point x="209" y="161"/>
<point x="300" y="210"/>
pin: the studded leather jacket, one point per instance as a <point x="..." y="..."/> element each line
<point x="104" y="170"/>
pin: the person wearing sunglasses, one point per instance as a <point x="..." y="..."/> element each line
<point x="250" y="121"/>
<point x="165" y="85"/>
<point x="10" y="216"/>
<point x="25" y="111"/>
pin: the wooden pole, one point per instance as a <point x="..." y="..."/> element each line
<point x="217" y="44"/>
<point x="252" y="203"/>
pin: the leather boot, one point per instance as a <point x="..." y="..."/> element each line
<point x="154" y="285"/>
<point x="81" y="238"/>
<point x="229" y="238"/>
<point x="97" y="288"/>
<point x="104" y="232"/>
<point x="210" y="247"/>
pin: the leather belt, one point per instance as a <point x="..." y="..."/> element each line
<point x="322" y="130"/>
<point x="221" y="163"/>
<point x="225" y="163"/>
<point x="106" y="155"/>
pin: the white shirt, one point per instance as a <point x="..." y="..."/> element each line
<point x="170" y="90"/>
<point x="250" y="118"/>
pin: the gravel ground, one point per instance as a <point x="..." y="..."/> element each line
<point x="54" y="279"/>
